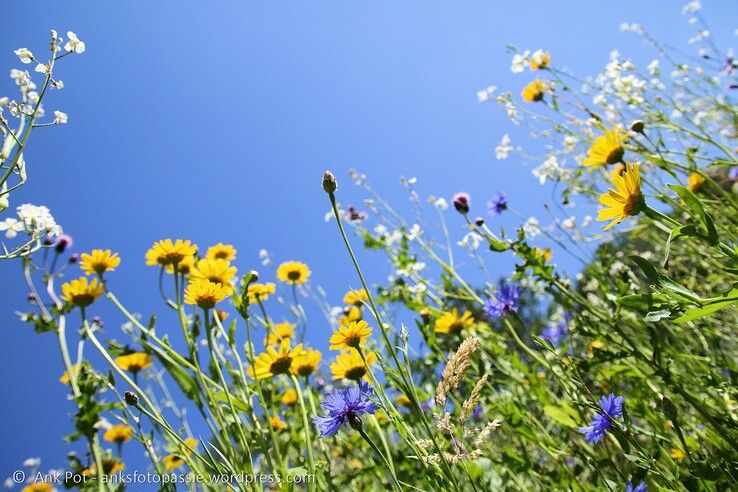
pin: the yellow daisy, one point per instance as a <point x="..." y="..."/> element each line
<point x="306" y="363"/>
<point x="221" y="252"/>
<point x="293" y="272"/>
<point x="168" y="252"/>
<point x="349" y="365"/>
<point x="353" y="335"/>
<point x="695" y="182"/>
<point x="172" y="461"/>
<point x="217" y="270"/>
<point x="110" y="466"/>
<point x="351" y="313"/>
<point x="539" y="60"/>
<point x="99" y="261"/>
<point x="534" y="91"/>
<point x="617" y="170"/>
<point x="625" y="200"/>
<point x="281" y="331"/>
<point x="356" y="297"/>
<point x="184" y="267"/>
<point x="607" y="149"/>
<point x="276" y="423"/>
<point x="38" y="487"/>
<point x="118" y="434"/>
<point x="544" y="253"/>
<point x="403" y="400"/>
<point x="82" y="293"/>
<point x="273" y="361"/>
<point x="677" y="454"/>
<point x="134" y="362"/>
<point x="260" y="292"/>
<point x="204" y="293"/>
<point x="64" y="378"/>
<point x="289" y="397"/>
<point x="451" y="323"/>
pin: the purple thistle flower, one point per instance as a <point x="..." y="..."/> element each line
<point x="461" y="202"/>
<point x="345" y="405"/>
<point x="505" y="301"/>
<point x="612" y="407"/>
<point x="554" y="334"/>
<point x="62" y="243"/>
<point x="498" y="203"/>
<point x="641" y="487"/>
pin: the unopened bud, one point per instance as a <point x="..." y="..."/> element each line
<point x="329" y="182"/>
<point x="638" y="126"/>
<point x="130" y="398"/>
<point x="461" y="202"/>
<point x="74" y="258"/>
<point x="62" y="243"/>
<point x="479" y="221"/>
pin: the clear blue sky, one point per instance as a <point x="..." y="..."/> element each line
<point x="215" y="123"/>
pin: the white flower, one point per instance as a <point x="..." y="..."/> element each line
<point x="653" y="68"/>
<point x="549" y="169"/>
<point x="586" y="221"/>
<point x="11" y="227"/>
<point x="484" y="95"/>
<point x="471" y="240"/>
<point x="414" y="232"/>
<point x="441" y="204"/>
<point x="380" y="230"/>
<point x="22" y="78"/>
<point x="532" y="227"/>
<point x="570" y="223"/>
<point x="570" y="143"/>
<point x="502" y="151"/>
<point x="74" y="44"/>
<point x="32" y="462"/>
<point x="538" y="57"/>
<point x="37" y="219"/>
<point x="42" y="68"/>
<point x="264" y="257"/>
<point x="517" y="64"/>
<point x="25" y="55"/>
<point x="60" y="118"/>
<point x="691" y="7"/>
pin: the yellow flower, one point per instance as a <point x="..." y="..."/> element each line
<point x="172" y="461"/>
<point x="403" y="400"/>
<point x="216" y="270"/>
<point x="184" y="267"/>
<point x="204" y="293"/>
<point x="289" y="397"/>
<point x="544" y="253"/>
<point x="38" y="487"/>
<point x="607" y="149"/>
<point x="695" y="182"/>
<point x="221" y="252"/>
<point x="351" y="313"/>
<point x="451" y="323"/>
<point x="677" y="454"/>
<point x="356" y="297"/>
<point x="134" y="362"/>
<point x="306" y="363"/>
<point x="534" y="91"/>
<point x="281" y="331"/>
<point x="625" y="200"/>
<point x="118" y="434"/>
<point x="260" y="292"/>
<point x="617" y="170"/>
<point x="99" y="261"/>
<point x="293" y="272"/>
<point x="352" y="336"/>
<point x="82" y="293"/>
<point x="276" y="423"/>
<point x="348" y="365"/>
<point x="167" y="252"/>
<point x="539" y="60"/>
<point x="109" y="467"/>
<point x="64" y="378"/>
<point x="273" y="362"/>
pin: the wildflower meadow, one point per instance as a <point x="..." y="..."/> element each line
<point x="420" y="369"/>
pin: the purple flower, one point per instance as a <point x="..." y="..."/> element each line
<point x="554" y="334"/>
<point x="733" y="173"/>
<point x="612" y="407"/>
<point x="641" y="487"/>
<point x="506" y="301"/>
<point x="461" y="202"/>
<point x="62" y="243"/>
<point x="345" y="405"/>
<point x="498" y="203"/>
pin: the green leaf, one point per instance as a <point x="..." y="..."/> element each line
<point x="562" y="414"/>
<point x="678" y="232"/>
<point x="662" y="281"/>
<point x="643" y="302"/>
<point x="710" y="306"/>
<point x="654" y="316"/>
<point x="691" y="200"/>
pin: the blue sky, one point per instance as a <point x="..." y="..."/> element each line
<point x="215" y="123"/>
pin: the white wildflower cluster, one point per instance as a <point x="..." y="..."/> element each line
<point x="484" y="95"/>
<point x="471" y="241"/>
<point x="550" y="170"/>
<point x="35" y="220"/>
<point x="519" y="61"/>
<point x="439" y="203"/>
<point x="505" y="100"/>
<point x="502" y="151"/>
<point x="264" y="258"/>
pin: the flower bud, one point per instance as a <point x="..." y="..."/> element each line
<point x="62" y="243"/>
<point x="479" y="221"/>
<point x="74" y="258"/>
<point x="638" y="126"/>
<point x="461" y="202"/>
<point x="48" y="240"/>
<point x="329" y="182"/>
<point x="130" y="398"/>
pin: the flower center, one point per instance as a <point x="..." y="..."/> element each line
<point x="355" y="373"/>
<point x="615" y="155"/>
<point x="281" y="365"/>
<point x="294" y="275"/>
<point x="633" y="205"/>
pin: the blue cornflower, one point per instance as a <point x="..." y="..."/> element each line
<point x="506" y="301"/>
<point x="733" y="173"/>
<point x="345" y="405"/>
<point x="641" y="487"/>
<point x="554" y="334"/>
<point x="498" y="203"/>
<point x="612" y="407"/>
